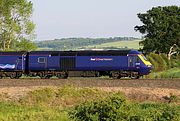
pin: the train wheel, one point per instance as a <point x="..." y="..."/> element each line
<point x="19" y="74"/>
<point x="62" y="76"/>
<point x="42" y="75"/>
<point x="13" y="75"/>
<point x="97" y="74"/>
<point x="135" y="77"/>
<point x="48" y="77"/>
<point x="45" y="77"/>
<point x="57" y="75"/>
<point x="1" y="75"/>
<point x="65" y="76"/>
<point x="115" y="75"/>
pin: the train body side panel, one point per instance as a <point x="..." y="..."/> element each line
<point x="43" y="62"/>
<point x="53" y="63"/>
<point x="12" y="62"/>
<point x="101" y="63"/>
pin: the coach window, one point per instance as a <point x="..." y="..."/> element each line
<point x="41" y="60"/>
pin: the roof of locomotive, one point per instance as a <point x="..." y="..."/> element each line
<point x="78" y="53"/>
<point x="88" y="52"/>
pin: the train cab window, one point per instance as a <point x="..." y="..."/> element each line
<point x="144" y="57"/>
<point x="41" y="60"/>
<point x="137" y="59"/>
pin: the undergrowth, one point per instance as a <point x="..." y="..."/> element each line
<point x="66" y="96"/>
<point x="84" y="104"/>
<point x="10" y="111"/>
<point x="164" y="68"/>
<point x="170" y="74"/>
<point x="117" y="108"/>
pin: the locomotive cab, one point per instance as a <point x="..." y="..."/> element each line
<point x="145" y="61"/>
<point x="146" y="66"/>
<point x="137" y="62"/>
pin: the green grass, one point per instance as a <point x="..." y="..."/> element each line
<point x="67" y="96"/>
<point x="120" y="44"/>
<point x="75" y="43"/>
<point x="170" y="73"/>
<point x="15" y="112"/>
<point x="47" y="104"/>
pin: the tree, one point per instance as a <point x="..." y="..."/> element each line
<point x="15" y="23"/>
<point x="25" y="45"/>
<point x="161" y="29"/>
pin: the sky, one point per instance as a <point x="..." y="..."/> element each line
<point x="56" y="19"/>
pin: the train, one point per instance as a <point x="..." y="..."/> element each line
<point x="82" y="63"/>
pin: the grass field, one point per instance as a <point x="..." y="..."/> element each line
<point x="120" y="44"/>
<point x="46" y="104"/>
<point x="170" y="73"/>
<point x="127" y="44"/>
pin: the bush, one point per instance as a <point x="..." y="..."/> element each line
<point x="41" y="96"/>
<point x="108" y="109"/>
<point x="167" y="62"/>
<point x="154" y="63"/>
<point x="161" y="64"/>
<point x="116" y="108"/>
<point x="171" y="73"/>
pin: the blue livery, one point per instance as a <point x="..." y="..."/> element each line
<point x="63" y="64"/>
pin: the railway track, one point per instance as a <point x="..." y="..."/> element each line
<point x="92" y="82"/>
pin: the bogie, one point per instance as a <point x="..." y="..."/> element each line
<point x="12" y="75"/>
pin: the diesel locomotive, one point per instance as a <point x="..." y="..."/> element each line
<point x="64" y="64"/>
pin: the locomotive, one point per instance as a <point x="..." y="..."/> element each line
<point x="64" y="64"/>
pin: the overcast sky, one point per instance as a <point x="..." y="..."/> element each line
<point x="90" y="18"/>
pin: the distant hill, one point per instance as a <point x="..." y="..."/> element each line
<point x="89" y="43"/>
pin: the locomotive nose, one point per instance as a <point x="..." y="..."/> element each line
<point x="150" y="66"/>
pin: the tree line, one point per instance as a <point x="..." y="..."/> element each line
<point x="78" y="43"/>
